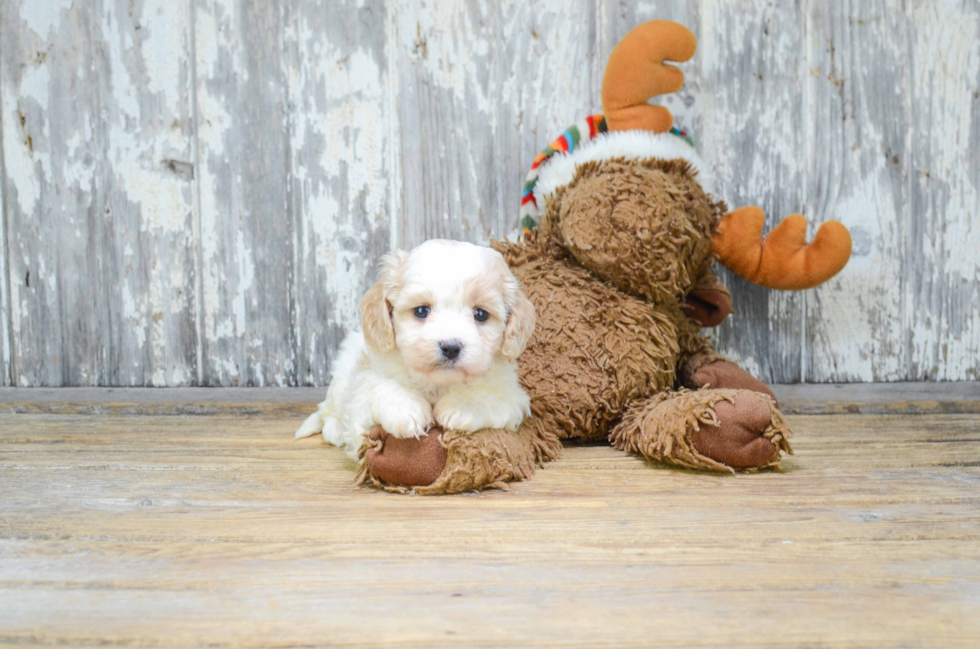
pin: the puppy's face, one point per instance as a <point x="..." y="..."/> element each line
<point x="450" y="309"/>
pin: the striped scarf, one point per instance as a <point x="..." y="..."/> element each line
<point x="565" y="143"/>
<point x="575" y="135"/>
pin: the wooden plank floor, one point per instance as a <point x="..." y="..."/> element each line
<point x="190" y="530"/>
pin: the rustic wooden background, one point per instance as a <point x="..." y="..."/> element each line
<point x="195" y="191"/>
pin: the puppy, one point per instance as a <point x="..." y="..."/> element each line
<point x="442" y="330"/>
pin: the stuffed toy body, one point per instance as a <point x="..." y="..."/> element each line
<point x="619" y="273"/>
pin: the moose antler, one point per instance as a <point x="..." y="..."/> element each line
<point x="782" y="260"/>
<point x="636" y="72"/>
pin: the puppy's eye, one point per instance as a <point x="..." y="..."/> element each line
<point x="480" y="315"/>
<point x="421" y="312"/>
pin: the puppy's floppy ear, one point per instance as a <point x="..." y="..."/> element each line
<point x="376" y="320"/>
<point x="520" y="320"/>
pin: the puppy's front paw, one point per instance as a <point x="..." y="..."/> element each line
<point x="406" y="416"/>
<point x="470" y="412"/>
<point x="454" y="413"/>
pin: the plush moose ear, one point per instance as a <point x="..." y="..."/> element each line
<point x="520" y="326"/>
<point x="709" y="302"/>
<point x="709" y="305"/>
<point x="376" y="319"/>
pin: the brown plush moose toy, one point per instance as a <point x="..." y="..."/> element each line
<point x="619" y="273"/>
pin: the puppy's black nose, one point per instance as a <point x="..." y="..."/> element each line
<point x="451" y="349"/>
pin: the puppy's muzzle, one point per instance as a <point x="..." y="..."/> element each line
<point x="450" y="350"/>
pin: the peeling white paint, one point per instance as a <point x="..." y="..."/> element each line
<point x="134" y="315"/>
<point x="752" y="140"/>
<point x="341" y="138"/>
<point x="20" y="154"/>
<point x="78" y="170"/>
<point x="354" y="130"/>
<point x="6" y="353"/>
<point x="423" y="123"/>
<point x="146" y="181"/>
<point x="858" y="311"/>
<point x="215" y="37"/>
<point x="162" y="22"/>
<point x="452" y="45"/>
<point x="42" y="16"/>
<point x="946" y="84"/>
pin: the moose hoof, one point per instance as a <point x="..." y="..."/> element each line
<point x="737" y="441"/>
<point x="413" y="462"/>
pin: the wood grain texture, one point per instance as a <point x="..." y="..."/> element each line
<point x="45" y="211"/>
<point x="198" y="191"/>
<point x="479" y="95"/>
<point x="753" y="139"/>
<point x="340" y="150"/>
<point x="445" y="64"/>
<point x="246" y="233"/>
<point x="99" y="192"/>
<point x="180" y="531"/>
<point x="534" y="96"/>
<point x="859" y="166"/>
<point x="943" y="296"/>
<point x="918" y="398"/>
<point x="5" y="339"/>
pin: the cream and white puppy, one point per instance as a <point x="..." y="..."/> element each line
<point x="442" y="330"/>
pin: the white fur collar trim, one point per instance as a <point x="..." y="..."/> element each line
<point x="560" y="170"/>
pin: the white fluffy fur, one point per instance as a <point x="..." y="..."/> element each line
<point x="412" y="386"/>
<point x="560" y="169"/>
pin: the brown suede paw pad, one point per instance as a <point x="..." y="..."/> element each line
<point x="737" y="441"/>
<point x="404" y="462"/>
<point x="729" y="376"/>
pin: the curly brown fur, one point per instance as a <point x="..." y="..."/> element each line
<point x="663" y="427"/>
<point x="622" y="235"/>
<point x="645" y="225"/>
<point x="618" y="251"/>
<point x="488" y="458"/>
<point x="594" y="348"/>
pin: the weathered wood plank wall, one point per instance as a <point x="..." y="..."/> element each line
<point x="98" y="192"/>
<point x="196" y="191"/>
